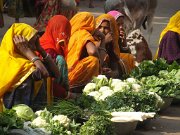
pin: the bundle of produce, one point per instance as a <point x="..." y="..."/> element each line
<point x="9" y="120"/>
<point x="97" y="125"/>
<point x="159" y="77"/>
<point x="153" y="67"/>
<point x="118" y="95"/>
<point x="66" y="107"/>
<point x="47" y="124"/>
<point x="130" y="116"/>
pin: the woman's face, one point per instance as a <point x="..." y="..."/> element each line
<point x="104" y="27"/>
<point x="34" y="42"/>
<point x="120" y="21"/>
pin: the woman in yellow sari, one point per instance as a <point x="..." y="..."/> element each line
<point x="82" y="58"/>
<point x="111" y="24"/>
<point x="20" y="66"/>
<point x="169" y="42"/>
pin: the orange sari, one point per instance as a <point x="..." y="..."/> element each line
<point x="80" y="70"/>
<point x="127" y="58"/>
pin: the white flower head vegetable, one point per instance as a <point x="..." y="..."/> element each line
<point x="89" y="88"/>
<point x="95" y="94"/>
<point x="115" y="82"/>
<point x="131" y="80"/>
<point x="38" y="113"/>
<point x="101" y="77"/>
<point x="62" y="119"/>
<point x="136" y="87"/>
<point x="106" y="94"/>
<point x="69" y="132"/>
<point x="104" y="88"/>
<point x="121" y="87"/>
<point x="39" y="122"/>
<point x="159" y="100"/>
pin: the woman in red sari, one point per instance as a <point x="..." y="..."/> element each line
<point x="54" y="41"/>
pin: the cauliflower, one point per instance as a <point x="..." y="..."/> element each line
<point x="115" y="82"/>
<point x="39" y="122"/>
<point x="95" y="94"/>
<point x="136" y="87"/>
<point x="106" y="94"/>
<point x="38" y="113"/>
<point x="159" y="100"/>
<point x="131" y="80"/>
<point x="62" y="119"/>
<point x="101" y="77"/>
<point x="121" y="87"/>
<point x="89" y="88"/>
<point x="104" y="88"/>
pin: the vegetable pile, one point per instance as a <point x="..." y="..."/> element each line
<point x="159" y="77"/>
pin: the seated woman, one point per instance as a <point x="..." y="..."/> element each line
<point x="112" y="65"/>
<point x="169" y="43"/>
<point x="21" y="68"/>
<point x="119" y="17"/>
<point x="105" y="22"/>
<point x="83" y="57"/>
<point x="55" y="41"/>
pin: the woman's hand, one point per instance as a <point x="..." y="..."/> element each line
<point x="108" y="38"/>
<point x="98" y="35"/>
<point x="122" y="33"/>
<point x="42" y="68"/>
<point x="21" y="44"/>
<point x="23" y="47"/>
<point x="108" y="72"/>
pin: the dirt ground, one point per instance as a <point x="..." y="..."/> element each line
<point x="167" y="123"/>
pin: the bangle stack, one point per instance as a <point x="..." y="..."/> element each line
<point x="35" y="59"/>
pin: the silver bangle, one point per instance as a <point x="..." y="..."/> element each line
<point x="35" y="59"/>
<point x="47" y="55"/>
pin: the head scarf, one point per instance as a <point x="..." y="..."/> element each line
<point x="173" y="25"/>
<point x="58" y="28"/>
<point x="115" y="14"/>
<point x="83" y="24"/>
<point x="14" y="68"/>
<point x="113" y="27"/>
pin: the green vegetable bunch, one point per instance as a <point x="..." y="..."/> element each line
<point x="97" y="125"/>
<point x="9" y="120"/>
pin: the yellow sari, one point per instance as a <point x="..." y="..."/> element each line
<point x="127" y="58"/>
<point x="14" y="68"/>
<point x="81" y="70"/>
<point x="173" y="25"/>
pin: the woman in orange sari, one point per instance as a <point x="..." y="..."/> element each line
<point x="82" y="58"/>
<point x="127" y="58"/>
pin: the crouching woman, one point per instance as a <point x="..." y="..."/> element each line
<point x="21" y="68"/>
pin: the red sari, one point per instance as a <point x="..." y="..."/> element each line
<point x="58" y="29"/>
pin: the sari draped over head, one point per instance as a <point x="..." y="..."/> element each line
<point x="173" y="25"/>
<point x="115" y="14"/>
<point x="113" y="27"/>
<point x="127" y="58"/>
<point x="14" y="68"/>
<point x="58" y="29"/>
<point x="81" y="71"/>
